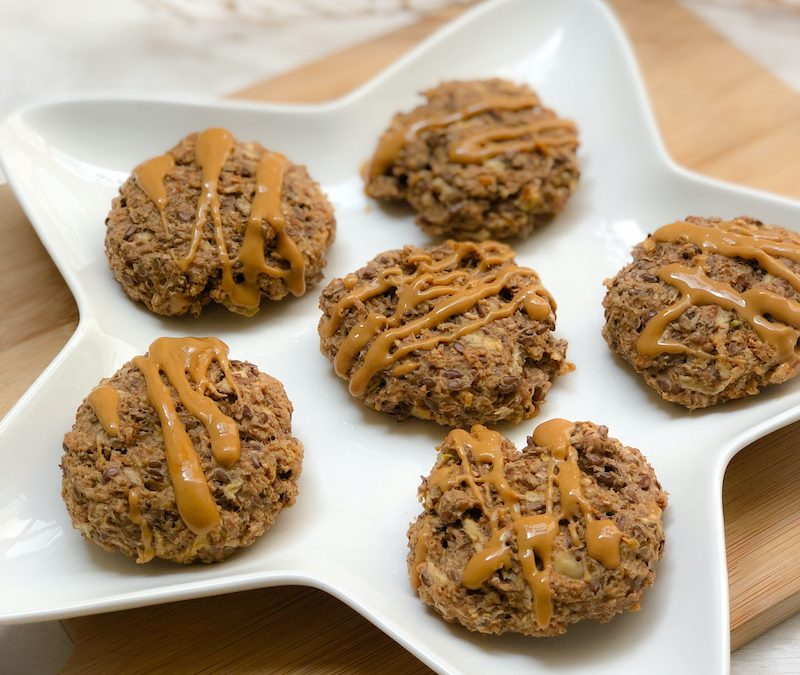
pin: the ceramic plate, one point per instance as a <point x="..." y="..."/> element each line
<point x="346" y="534"/>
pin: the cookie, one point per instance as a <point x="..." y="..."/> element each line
<point x="709" y="310"/>
<point x="482" y="159"/>
<point x="181" y="455"/>
<point x="531" y="542"/>
<point x="217" y="219"/>
<point x="457" y="333"/>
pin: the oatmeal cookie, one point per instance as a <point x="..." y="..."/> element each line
<point x="181" y="455"/>
<point x="530" y="542"/>
<point x="709" y="310"/>
<point x="457" y="333"/>
<point x="217" y="219"/>
<point x="482" y="159"/>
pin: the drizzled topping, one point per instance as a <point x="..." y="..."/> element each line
<point x="135" y="514"/>
<point x="185" y="362"/>
<point x="266" y="206"/>
<point x="479" y="146"/>
<point x="528" y="539"/>
<point x="212" y="150"/>
<point x="453" y="286"/>
<point x="773" y="316"/>
<point x="476" y="145"/>
<point x="150" y="177"/>
<point x="105" y="403"/>
<point x="420" y="550"/>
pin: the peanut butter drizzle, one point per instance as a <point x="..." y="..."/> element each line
<point x="135" y="514"/>
<point x="734" y="240"/>
<point x="404" y="368"/>
<point x="185" y="363"/>
<point x="441" y="478"/>
<point x="534" y="535"/>
<point x="105" y="403"/>
<point x="429" y="281"/>
<point x="601" y="535"/>
<point x="781" y="330"/>
<point x="393" y="140"/>
<point x="149" y="176"/>
<point x="212" y="150"/>
<point x="266" y="207"/>
<point x="421" y="548"/>
<point x="476" y="147"/>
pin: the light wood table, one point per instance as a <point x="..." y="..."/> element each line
<point x="720" y="114"/>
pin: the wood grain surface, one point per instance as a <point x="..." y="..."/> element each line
<point x="719" y="112"/>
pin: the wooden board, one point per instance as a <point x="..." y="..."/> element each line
<point x="720" y="114"/>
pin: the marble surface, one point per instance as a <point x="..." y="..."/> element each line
<point x="90" y="45"/>
<point x="204" y="48"/>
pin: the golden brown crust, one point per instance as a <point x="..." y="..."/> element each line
<point x="143" y="256"/>
<point x="732" y="360"/>
<point x="503" y="196"/>
<point x="619" y="485"/>
<point x="501" y="371"/>
<point x="99" y="471"/>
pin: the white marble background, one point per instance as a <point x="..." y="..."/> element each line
<point x="49" y="47"/>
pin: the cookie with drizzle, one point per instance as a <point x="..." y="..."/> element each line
<point x="530" y="542"/>
<point x="182" y="455"/>
<point x="709" y="309"/>
<point x="215" y="219"/>
<point x="481" y="159"/>
<point x="457" y="333"/>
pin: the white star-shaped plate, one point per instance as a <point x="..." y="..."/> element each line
<point x="347" y="532"/>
